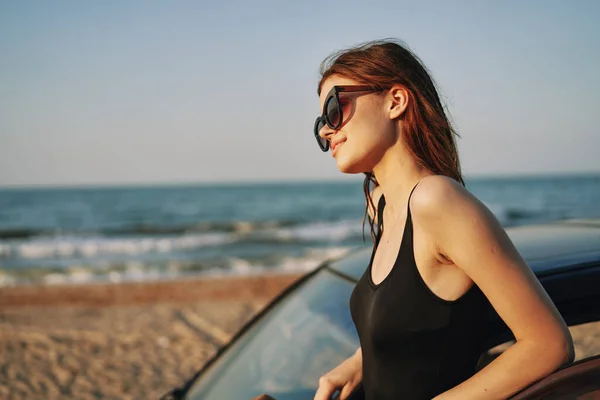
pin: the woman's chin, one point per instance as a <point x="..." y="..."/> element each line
<point x="347" y="167"/>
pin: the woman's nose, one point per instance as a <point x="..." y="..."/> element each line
<point x="326" y="131"/>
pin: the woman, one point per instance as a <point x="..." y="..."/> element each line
<point x="440" y="257"/>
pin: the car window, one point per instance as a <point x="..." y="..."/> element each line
<point x="353" y="264"/>
<point x="580" y="381"/>
<point x="305" y="335"/>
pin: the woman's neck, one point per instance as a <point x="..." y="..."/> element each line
<point x="397" y="173"/>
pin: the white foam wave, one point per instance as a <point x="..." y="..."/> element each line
<point x="312" y="258"/>
<point x="5" y="250"/>
<point x="91" y="247"/>
<point x="325" y="231"/>
<point x="7" y="280"/>
<point x="138" y="271"/>
<point x="327" y="253"/>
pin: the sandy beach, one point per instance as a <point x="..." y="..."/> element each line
<point x="133" y="340"/>
<point x="120" y="341"/>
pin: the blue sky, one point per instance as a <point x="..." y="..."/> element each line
<point x="155" y="91"/>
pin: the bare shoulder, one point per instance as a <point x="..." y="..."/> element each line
<point x="453" y="216"/>
<point x="440" y="202"/>
<point x="436" y="193"/>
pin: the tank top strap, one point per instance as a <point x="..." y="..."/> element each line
<point x="409" y="196"/>
<point x="381" y="206"/>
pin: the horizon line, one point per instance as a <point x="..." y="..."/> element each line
<point x="277" y="181"/>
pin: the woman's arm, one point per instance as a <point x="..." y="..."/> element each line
<point x="469" y="235"/>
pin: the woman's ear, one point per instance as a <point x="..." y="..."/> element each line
<point x="398" y="96"/>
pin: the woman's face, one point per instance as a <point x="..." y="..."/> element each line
<point x="366" y="131"/>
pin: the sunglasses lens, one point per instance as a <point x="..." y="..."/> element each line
<point x="323" y="143"/>
<point x="332" y="113"/>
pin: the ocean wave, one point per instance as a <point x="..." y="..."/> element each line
<point x="229" y="235"/>
<point x="324" y="231"/>
<point x="70" y="246"/>
<point x="152" y="229"/>
<point x="20" y="233"/>
<point x="514" y="215"/>
<point x="139" y="271"/>
<point x="311" y="258"/>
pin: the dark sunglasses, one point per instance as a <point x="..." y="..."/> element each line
<point x="332" y="110"/>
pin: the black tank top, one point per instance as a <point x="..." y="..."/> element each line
<point x="415" y="345"/>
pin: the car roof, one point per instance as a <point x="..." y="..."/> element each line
<point x="547" y="248"/>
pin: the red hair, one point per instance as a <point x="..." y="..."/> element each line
<point x="426" y="128"/>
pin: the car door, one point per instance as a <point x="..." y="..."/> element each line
<point x="579" y="381"/>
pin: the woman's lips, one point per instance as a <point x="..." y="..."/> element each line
<point x="335" y="148"/>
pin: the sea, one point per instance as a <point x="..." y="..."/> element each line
<point x="77" y="235"/>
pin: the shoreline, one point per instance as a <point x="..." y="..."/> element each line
<point x="102" y="294"/>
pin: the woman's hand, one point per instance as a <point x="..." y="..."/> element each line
<point x="345" y="377"/>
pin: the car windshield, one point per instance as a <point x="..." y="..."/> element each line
<point x="306" y="334"/>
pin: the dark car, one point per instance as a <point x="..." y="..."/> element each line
<point x="308" y="330"/>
